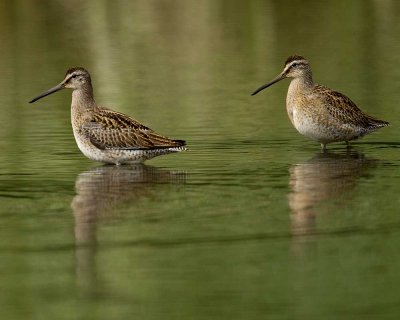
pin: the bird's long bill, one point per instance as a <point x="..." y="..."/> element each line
<point x="50" y="91"/>
<point x="265" y="86"/>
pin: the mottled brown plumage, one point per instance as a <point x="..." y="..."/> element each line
<point x="105" y="135"/>
<point x="319" y="112"/>
<point x="108" y="129"/>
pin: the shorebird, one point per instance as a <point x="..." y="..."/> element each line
<point x="105" y="135"/>
<point x="318" y="112"/>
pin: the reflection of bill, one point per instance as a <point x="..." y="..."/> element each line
<point x="100" y="194"/>
<point x="327" y="176"/>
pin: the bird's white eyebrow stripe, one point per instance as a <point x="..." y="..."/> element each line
<point x="294" y="62"/>
<point x="71" y="75"/>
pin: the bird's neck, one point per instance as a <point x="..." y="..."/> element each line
<point x="82" y="99"/>
<point x="301" y="84"/>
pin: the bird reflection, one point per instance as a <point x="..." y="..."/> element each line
<point x="100" y="193"/>
<point x="326" y="176"/>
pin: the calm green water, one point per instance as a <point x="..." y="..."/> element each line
<point x="251" y="223"/>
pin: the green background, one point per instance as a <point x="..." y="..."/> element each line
<point x="252" y="222"/>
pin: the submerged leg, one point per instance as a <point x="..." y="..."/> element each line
<point x="323" y="147"/>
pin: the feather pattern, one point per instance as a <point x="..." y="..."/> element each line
<point x="108" y="129"/>
<point x="342" y="108"/>
<point x="105" y="135"/>
<point x="318" y="112"/>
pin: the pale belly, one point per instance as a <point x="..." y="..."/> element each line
<point x="119" y="156"/>
<point x="321" y="127"/>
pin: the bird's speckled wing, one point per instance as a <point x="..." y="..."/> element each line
<point x="342" y="108"/>
<point x="113" y="130"/>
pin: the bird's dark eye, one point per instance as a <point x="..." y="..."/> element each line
<point x="74" y="76"/>
<point x="295" y="65"/>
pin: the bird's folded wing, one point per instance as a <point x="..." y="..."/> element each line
<point x="342" y="107"/>
<point x="112" y="130"/>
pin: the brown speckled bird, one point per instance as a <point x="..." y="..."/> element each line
<point x="318" y="112"/>
<point x="105" y="135"/>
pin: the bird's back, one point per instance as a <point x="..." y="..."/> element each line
<point x="344" y="110"/>
<point x="108" y="129"/>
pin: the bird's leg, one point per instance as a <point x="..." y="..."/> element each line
<point x="323" y="147"/>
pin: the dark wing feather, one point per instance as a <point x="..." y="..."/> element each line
<point x="341" y="107"/>
<point x="113" y="130"/>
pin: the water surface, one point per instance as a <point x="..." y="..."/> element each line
<point x="253" y="221"/>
